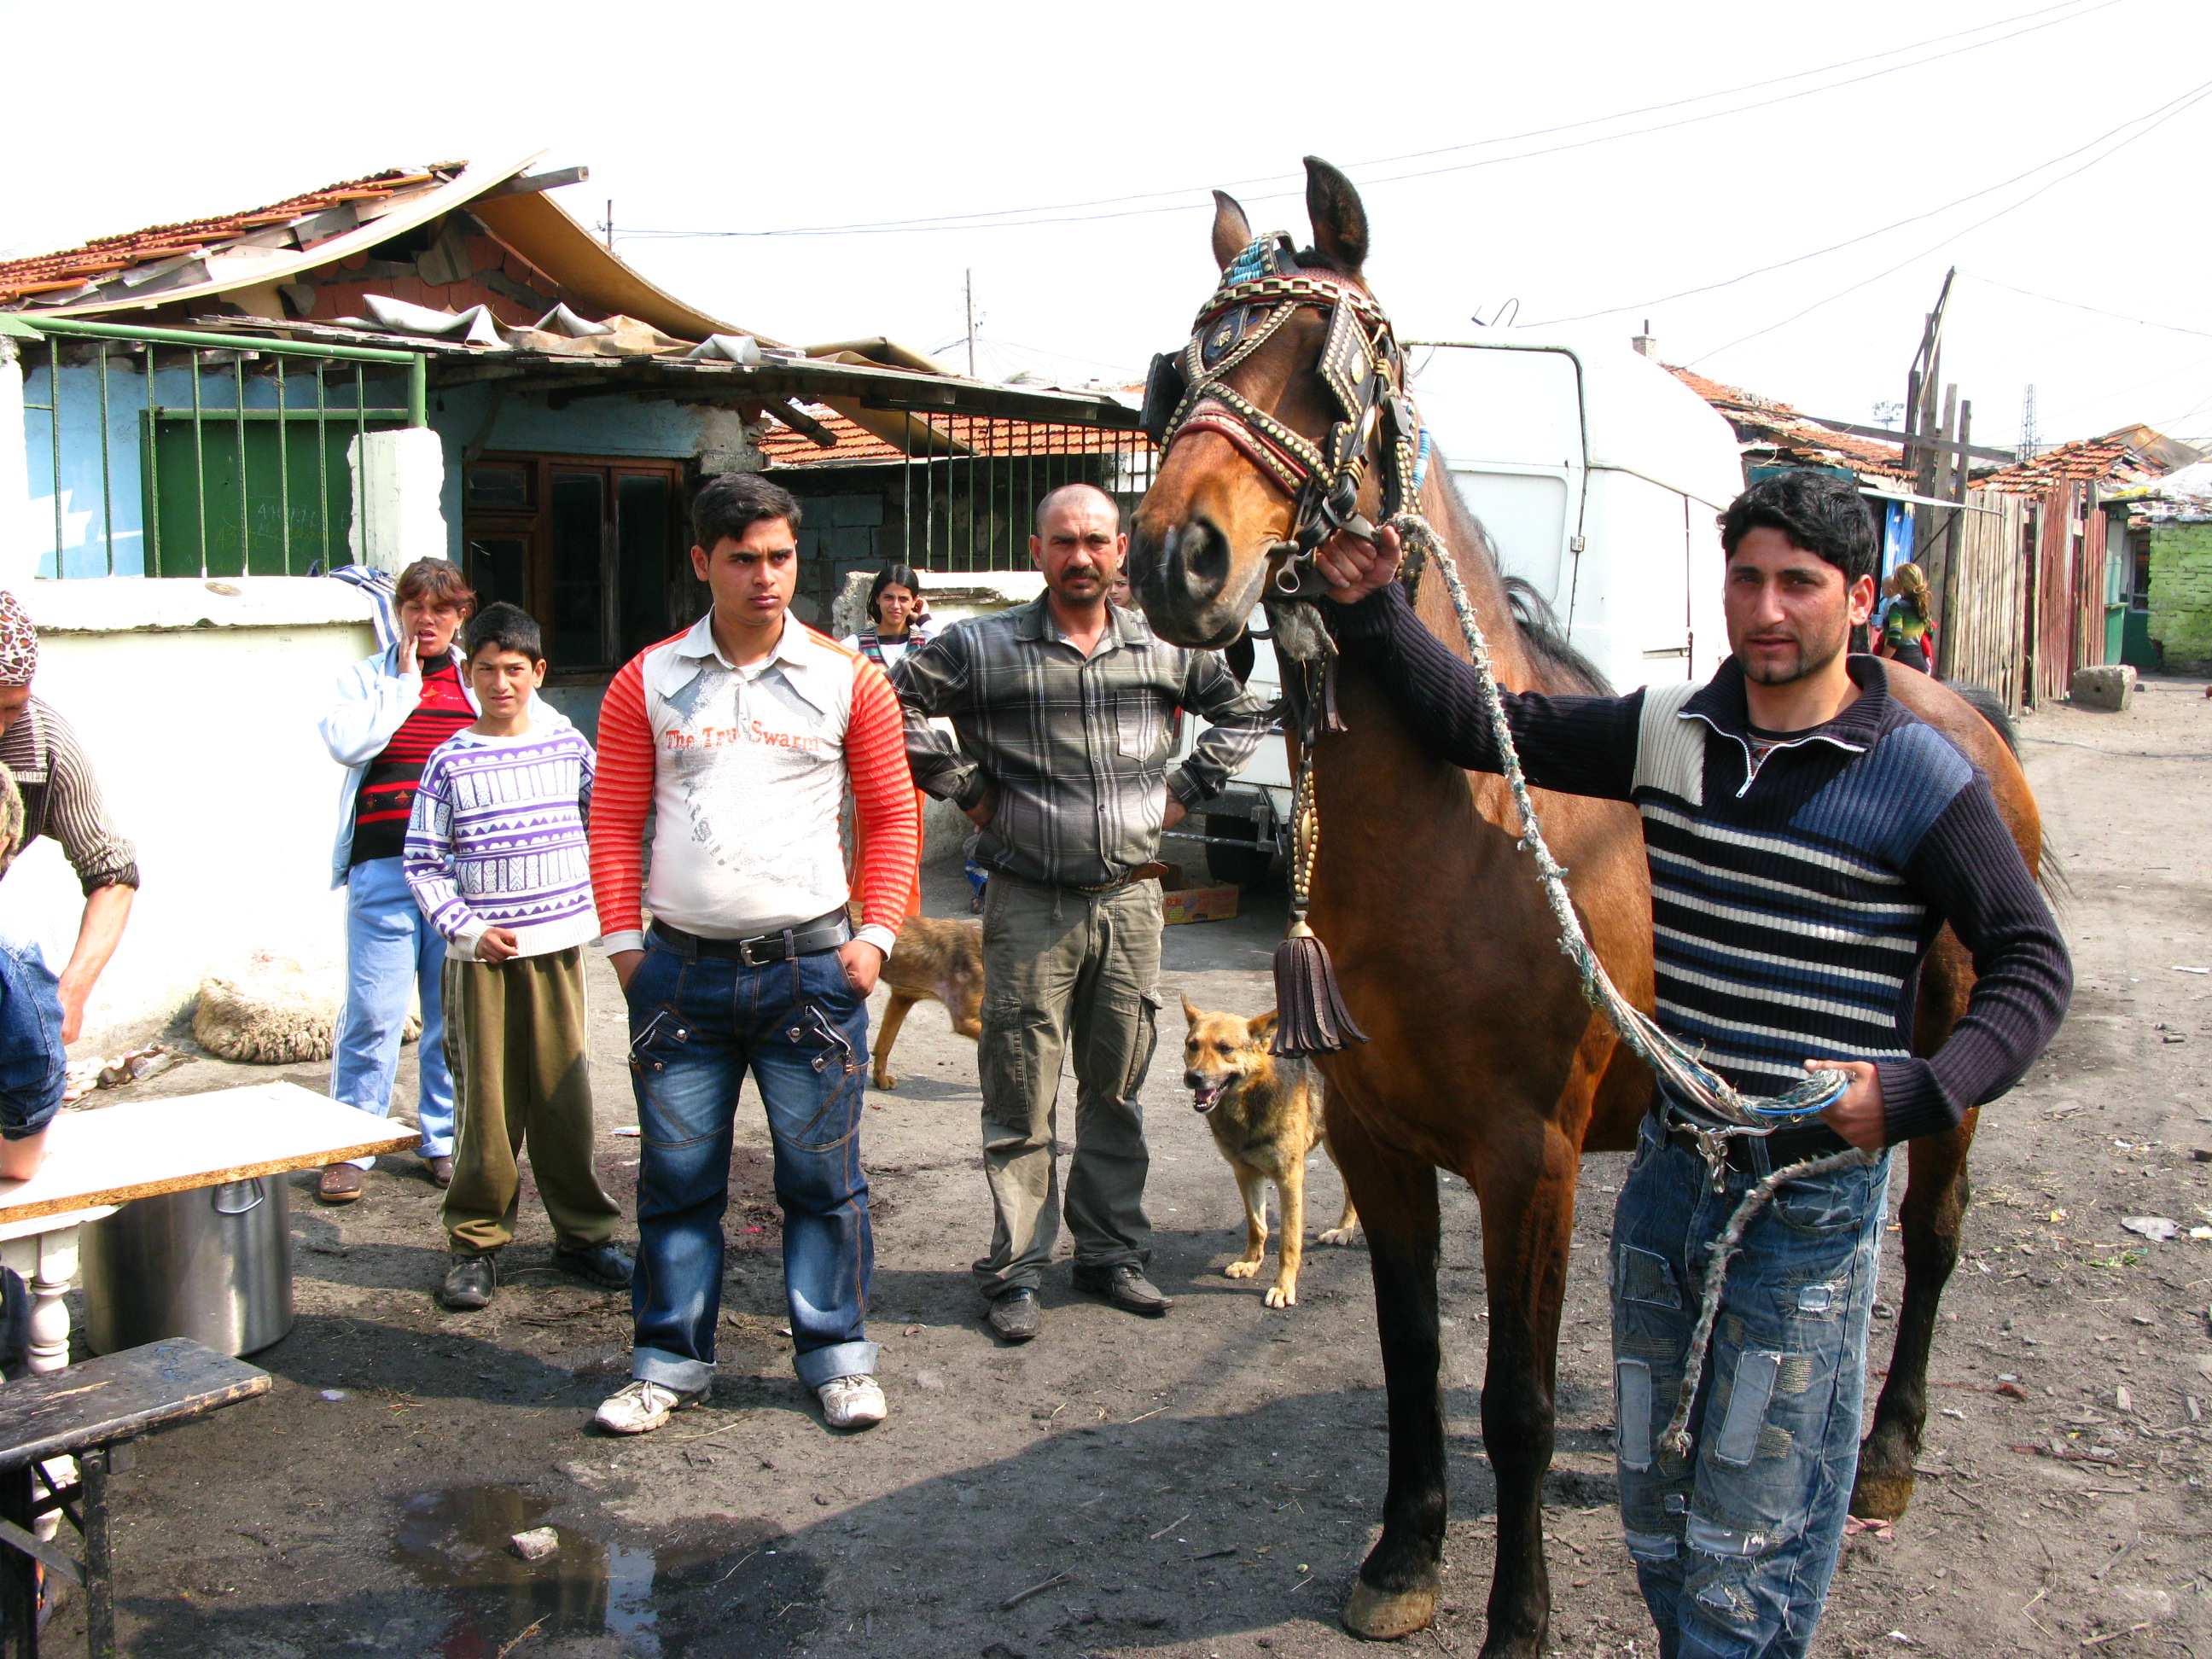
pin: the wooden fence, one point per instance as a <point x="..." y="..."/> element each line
<point x="2027" y="607"/>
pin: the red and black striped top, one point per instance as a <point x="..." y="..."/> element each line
<point x="380" y="811"/>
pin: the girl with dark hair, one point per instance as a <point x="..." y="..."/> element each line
<point x="897" y="612"/>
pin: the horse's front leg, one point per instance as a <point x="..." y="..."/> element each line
<point x="1932" y="1220"/>
<point x="1395" y="1593"/>
<point x="1527" y="1197"/>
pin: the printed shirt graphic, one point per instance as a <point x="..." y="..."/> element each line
<point x="387" y="787"/>
<point x="497" y="840"/>
<point x="747" y="770"/>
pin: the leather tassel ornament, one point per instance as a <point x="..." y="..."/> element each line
<point x="1310" y="1018"/>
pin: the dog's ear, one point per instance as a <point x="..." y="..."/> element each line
<point x="1261" y="1028"/>
<point x="1189" y="1012"/>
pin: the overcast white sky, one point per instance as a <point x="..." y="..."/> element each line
<point x="716" y="118"/>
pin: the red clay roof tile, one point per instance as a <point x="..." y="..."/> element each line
<point x="47" y="273"/>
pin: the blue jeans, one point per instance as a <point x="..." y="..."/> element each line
<point x="697" y="1024"/>
<point x="1734" y="1544"/>
<point x="392" y="952"/>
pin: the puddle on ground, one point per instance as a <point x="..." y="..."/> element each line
<point x="661" y="1600"/>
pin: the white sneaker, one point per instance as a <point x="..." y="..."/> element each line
<point x="851" y="1402"/>
<point x="639" y="1408"/>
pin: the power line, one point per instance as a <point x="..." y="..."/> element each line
<point x="2075" y="305"/>
<point x="1065" y="212"/>
<point x="2171" y="109"/>
<point x="1837" y="247"/>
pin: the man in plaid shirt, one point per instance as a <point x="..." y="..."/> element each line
<point x="1065" y="712"/>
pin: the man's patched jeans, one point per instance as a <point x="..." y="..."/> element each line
<point x="1735" y="1544"/>
<point x="697" y="1025"/>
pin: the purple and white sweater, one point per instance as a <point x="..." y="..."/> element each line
<point x="497" y="840"/>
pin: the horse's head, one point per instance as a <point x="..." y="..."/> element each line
<point x="1284" y="419"/>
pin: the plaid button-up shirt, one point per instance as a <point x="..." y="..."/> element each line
<point x="1076" y="749"/>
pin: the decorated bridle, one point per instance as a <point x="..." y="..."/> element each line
<point x="1261" y="290"/>
<point x="1361" y="365"/>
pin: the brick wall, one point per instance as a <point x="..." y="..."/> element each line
<point x="2181" y="594"/>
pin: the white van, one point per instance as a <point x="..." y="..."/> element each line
<point x="1598" y="476"/>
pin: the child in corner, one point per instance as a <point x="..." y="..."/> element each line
<point x="496" y="857"/>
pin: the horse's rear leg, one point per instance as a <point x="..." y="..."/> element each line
<point x="1395" y="1593"/>
<point x="1527" y="1224"/>
<point x="1932" y="1218"/>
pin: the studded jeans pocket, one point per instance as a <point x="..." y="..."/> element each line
<point x="659" y="1040"/>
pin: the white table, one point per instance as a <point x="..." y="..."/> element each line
<point x="97" y="1160"/>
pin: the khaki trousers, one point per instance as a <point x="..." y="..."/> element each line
<point x="515" y="1043"/>
<point x="1063" y="967"/>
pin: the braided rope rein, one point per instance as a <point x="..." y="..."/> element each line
<point x="1741" y="1114"/>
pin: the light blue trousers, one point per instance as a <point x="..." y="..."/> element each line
<point x="391" y="953"/>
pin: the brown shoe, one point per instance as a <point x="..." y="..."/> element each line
<point x="340" y="1184"/>
<point x="439" y="1170"/>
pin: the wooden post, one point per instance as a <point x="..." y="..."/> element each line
<point x="1947" y="650"/>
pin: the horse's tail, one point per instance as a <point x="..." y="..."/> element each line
<point x="2051" y="869"/>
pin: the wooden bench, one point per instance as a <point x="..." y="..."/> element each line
<point x="92" y="1413"/>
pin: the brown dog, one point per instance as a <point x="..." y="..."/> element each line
<point x="1265" y="1115"/>
<point x="939" y="959"/>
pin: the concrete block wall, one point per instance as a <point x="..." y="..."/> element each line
<point x="2181" y="594"/>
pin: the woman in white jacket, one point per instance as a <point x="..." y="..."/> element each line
<point x="391" y="711"/>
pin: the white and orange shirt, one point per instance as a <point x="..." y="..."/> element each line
<point x="746" y="770"/>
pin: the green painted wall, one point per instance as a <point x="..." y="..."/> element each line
<point x="2181" y="595"/>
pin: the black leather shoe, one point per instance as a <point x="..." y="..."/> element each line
<point x="1126" y="1287"/>
<point x="1014" y="1315"/>
<point x="468" y="1284"/>
<point x="604" y="1265"/>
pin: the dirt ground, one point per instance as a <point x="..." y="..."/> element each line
<point x="1206" y="1486"/>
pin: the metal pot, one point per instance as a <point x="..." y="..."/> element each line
<point x="212" y="1263"/>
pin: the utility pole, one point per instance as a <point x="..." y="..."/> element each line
<point x="2030" y="441"/>
<point x="970" y="285"/>
<point x="610" y="225"/>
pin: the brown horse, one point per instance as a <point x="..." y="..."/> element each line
<point x="1485" y="1059"/>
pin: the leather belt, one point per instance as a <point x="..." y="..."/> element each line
<point x="1783" y="1147"/>
<point x="824" y="932"/>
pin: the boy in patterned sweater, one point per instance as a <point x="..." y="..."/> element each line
<point x="497" y="859"/>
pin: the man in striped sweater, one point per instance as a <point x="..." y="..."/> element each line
<point x="742" y="735"/>
<point x="1809" y="837"/>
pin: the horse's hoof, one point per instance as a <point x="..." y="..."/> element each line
<point x="1377" y="1615"/>
<point x="1881" y="1497"/>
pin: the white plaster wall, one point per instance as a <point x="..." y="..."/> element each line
<point x="198" y="707"/>
<point x="399" y="478"/>
<point x="17" y="561"/>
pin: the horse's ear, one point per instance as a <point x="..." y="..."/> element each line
<point x="1261" y="1028"/>
<point x="1339" y="222"/>
<point x="1188" y="1012"/>
<point x="1232" y="231"/>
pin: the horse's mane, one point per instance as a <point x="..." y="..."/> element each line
<point x="1538" y="624"/>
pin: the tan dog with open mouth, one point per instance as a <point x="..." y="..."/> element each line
<point x="1266" y="1115"/>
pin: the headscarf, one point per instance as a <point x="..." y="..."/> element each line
<point x="18" y="643"/>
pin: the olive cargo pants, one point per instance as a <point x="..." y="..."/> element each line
<point x="1065" y="968"/>
<point x="515" y="1042"/>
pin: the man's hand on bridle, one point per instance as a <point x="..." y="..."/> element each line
<point x="1354" y="566"/>
<point x="1858" y="1117"/>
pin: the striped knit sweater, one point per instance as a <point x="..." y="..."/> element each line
<point x="496" y="840"/>
<point x="1795" y="889"/>
<point x="744" y="771"/>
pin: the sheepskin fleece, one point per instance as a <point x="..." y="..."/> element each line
<point x="273" y="1012"/>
